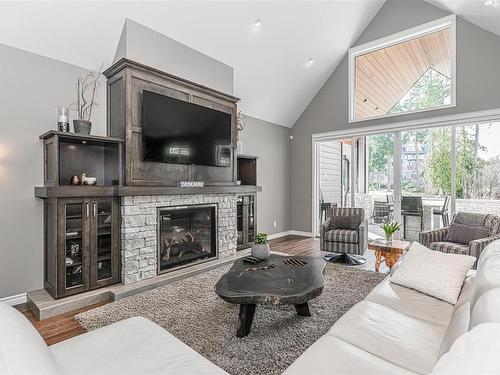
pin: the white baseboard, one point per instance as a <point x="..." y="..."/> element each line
<point x="15" y="300"/>
<point x="289" y="233"/>
<point x="301" y="233"/>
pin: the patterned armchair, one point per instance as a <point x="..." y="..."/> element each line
<point x="436" y="239"/>
<point x="346" y="241"/>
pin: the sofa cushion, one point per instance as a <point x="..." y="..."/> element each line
<point x="488" y="275"/>
<point x="437" y="274"/>
<point x="466" y="292"/>
<point x="398" y="338"/>
<point x="475" y="352"/>
<point x="465" y="234"/>
<point x="458" y="326"/>
<point x="342" y="235"/>
<point x="486" y="309"/>
<point x="331" y="355"/>
<point x="490" y="251"/>
<point x="22" y="349"/>
<point x="410" y="302"/>
<point x="131" y="346"/>
<point x="449" y="247"/>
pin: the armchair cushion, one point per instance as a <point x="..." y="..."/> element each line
<point x="351" y="222"/>
<point x="342" y="235"/>
<point x="449" y="247"/>
<point x="465" y="234"/>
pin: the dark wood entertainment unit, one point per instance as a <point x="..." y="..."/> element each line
<point x="82" y="223"/>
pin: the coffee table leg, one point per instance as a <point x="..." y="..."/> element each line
<point x="245" y="320"/>
<point x="303" y="309"/>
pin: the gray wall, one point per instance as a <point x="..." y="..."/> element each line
<point x="31" y="88"/>
<point x="149" y="47"/>
<point x="478" y="59"/>
<point x="270" y="142"/>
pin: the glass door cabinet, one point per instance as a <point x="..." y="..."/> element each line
<point x="81" y="244"/>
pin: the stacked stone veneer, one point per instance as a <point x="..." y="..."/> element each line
<point x="139" y="229"/>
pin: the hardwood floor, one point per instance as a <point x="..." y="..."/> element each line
<point x="60" y="327"/>
<point x="64" y="326"/>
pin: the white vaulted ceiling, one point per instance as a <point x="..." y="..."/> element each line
<point x="475" y="11"/>
<point x="271" y="74"/>
<point x="270" y="65"/>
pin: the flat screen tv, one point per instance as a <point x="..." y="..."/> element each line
<point x="175" y="131"/>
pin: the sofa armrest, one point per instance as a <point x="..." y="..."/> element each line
<point x="324" y="227"/>
<point x="437" y="235"/>
<point x="477" y="246"/>
<point x="363" y="236"/>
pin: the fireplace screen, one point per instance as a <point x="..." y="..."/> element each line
<point x="186" y="234"/>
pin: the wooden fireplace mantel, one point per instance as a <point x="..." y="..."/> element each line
<point x="121" y="191"/>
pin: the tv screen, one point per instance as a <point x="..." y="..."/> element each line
<point x="175" y="131"/>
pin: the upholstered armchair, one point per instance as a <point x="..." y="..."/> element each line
<point x="345" y="232"/>
<point x="440" y="240"/>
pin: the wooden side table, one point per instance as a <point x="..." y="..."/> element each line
<point x="388" y="252"/>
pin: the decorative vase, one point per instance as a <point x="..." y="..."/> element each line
<point x="261" y="251"/>
<point x="82" y="126"/>
<point x="388" y="239"/>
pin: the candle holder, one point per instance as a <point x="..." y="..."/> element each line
<point x="63" y="119"/>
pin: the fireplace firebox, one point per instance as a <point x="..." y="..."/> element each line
<point x="186" y="234"/>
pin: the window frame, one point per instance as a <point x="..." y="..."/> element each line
<point x="448" y="22"/>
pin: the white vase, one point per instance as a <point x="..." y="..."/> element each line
<point x="261" y="251"/>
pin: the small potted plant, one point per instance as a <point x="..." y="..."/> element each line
<point x="390" y="227"/>
<point x="260" y="248"/>
<point x="86" y="91"/>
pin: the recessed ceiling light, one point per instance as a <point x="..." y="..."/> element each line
<point x="257" y="24"/>
<point x="310" y="62"/>
<point x="489" y="2"/>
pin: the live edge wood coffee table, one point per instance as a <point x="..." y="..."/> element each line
<point x="278" y="280"/>
<point x="388" y="252"/>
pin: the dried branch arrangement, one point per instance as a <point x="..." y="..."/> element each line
<point x="86" y="88"/>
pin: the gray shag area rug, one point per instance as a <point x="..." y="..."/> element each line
<point x="190" y="310"/>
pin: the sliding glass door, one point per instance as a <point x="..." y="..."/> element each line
<point x="478" y="168"/>
<point x="418" y="177"/>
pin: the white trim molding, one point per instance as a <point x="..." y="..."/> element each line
<point x="15" y="300"/>
<point x="289" y="233"/>
<point x="448" y="22"/>
<point x="467" y="118"/>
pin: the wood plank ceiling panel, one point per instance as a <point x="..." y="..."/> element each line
<point x="384" y="76"/>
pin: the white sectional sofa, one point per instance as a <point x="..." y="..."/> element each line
<point x="395" y="330"/>
<point x="132" y="346"/>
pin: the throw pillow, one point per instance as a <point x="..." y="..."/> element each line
<point x="345" y="222"/>
<point x="464" y="234"/>
<point x="434" y="273"/>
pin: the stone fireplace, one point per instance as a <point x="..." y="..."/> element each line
<point x="151" y="246"/>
